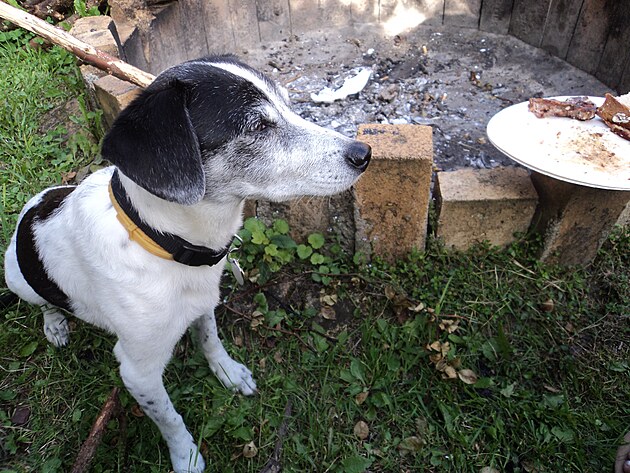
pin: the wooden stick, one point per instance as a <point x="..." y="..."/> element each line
<point x="82" y="50"/>
<point x="88" y="449"/>
<point x="274" y="465"/>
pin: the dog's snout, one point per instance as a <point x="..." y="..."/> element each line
<point x="359" y="155"/>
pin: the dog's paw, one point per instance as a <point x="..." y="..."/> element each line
<point x="56" y="328"/>
<point x="188" y="460"/>
<point x="234" y="375"/>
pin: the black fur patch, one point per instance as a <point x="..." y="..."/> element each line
<point x="30" y="263"/>
<point x="160" y="139"/>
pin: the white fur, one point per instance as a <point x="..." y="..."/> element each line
<point x="149" y="302"/>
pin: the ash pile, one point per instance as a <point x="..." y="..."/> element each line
<point x="451" y="80"/>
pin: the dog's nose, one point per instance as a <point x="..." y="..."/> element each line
<point x="359" y="155"/>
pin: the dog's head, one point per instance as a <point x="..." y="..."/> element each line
<point x="214" y="128"/>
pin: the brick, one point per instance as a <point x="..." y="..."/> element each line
<point x="392" y="196"/>
<point x="575" y="220"/>
<point x="333" y="216"/>
<point x="113" y="95"/>
<point x="97" y="31"/>
<point x="476" y="205"/>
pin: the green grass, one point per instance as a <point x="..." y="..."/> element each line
<point x="552" y="386"/>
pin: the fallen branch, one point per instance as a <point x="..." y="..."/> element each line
<point x="86" y="454"/>
<point x="80" y="49"/>
<point x="274" y="465"/>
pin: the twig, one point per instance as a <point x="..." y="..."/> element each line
<point x="274" y="465"/>
<point x="82" y="50"/>
<point x="88" y="449"/>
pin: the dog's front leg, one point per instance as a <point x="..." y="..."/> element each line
<point x="230" y="372"/>
<point x="141" y="372"/>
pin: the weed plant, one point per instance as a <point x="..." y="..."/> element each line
<point x="441" y="362"/>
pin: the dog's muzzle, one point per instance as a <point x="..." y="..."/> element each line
<point x="358" y="155"/>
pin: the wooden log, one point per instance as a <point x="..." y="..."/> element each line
<point x="88" y="449"/>
<point x="83" y="51"/>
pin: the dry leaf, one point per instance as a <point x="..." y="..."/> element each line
<point x="262" y="363"/>
<point x="467" y="376"/>
<point x="238" y="341"/>
<point x="422" y="426"/>
<point x="450" y="372"/>
<point x="66" y="177"/>
<point x="361" y="430"/>
<point x="137" y="411"/>
<point x="328" y="313"/>
<point x="329" y="299"/>
<point x="277" y="357"/>
<point x="419" y="308"/>
<point x="547" y="306"/>
<point x="390" y="292"/>
<point x="257" y="319"/>
<point x="435" y="357"/>
<point x="21" y="415"/>
<point x="449" y="325"/>
<point x="361" y="397"/>
<point x="552" y="389"/>
<point x="411" y="444"/>
<point x="488" y="469"/>
<point x="250" y="450"/>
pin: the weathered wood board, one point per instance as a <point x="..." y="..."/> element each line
<point x="274" y="21"/>
<point x="244" y="24"/>
<point x="591" y="34"/>
<point x="527" y="20"/>
<point x="217" y="21"/>
<point x="462" y="13"/>
<point x="495" y="16"/>
<point x="559" y="26"/>
<point x="616" y="56"/>
<point x="591" y="31"/>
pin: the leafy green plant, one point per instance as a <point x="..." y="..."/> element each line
<point x="266" y="250"/>
<point x="82" y="9"/>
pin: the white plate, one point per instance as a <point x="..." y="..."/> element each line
<point x="582" y="152"/>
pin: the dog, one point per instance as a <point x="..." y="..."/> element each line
<point x="138" y="248"/>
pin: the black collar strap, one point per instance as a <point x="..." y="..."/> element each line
<point x="173" y="247"/>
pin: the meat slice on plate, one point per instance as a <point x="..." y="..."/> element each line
<point x="616" y="114"/>
<point x="580" y="108"/>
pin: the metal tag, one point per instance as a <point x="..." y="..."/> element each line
<point x="237" y="271"/>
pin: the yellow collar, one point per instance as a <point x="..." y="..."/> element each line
<point x="135" y="233"/>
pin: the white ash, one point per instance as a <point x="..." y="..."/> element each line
<point x="451" y="80"/>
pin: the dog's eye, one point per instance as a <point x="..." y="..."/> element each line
<point x="260" y="125"/>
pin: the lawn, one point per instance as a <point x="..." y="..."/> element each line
<point x="485" y="361"/>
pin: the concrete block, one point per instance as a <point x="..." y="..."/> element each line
<point x="477" y="205"/>
<point x="113" y="95"/>
<point x="392" y="197"/>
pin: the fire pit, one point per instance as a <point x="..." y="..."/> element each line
<point x="449" y="64"/>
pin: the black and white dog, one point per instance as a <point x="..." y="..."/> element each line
<point x="138" y="248"/>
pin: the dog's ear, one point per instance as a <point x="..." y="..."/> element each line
<point x="153" y="142"/>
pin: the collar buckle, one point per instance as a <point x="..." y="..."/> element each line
<point x="193" y="255"/>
